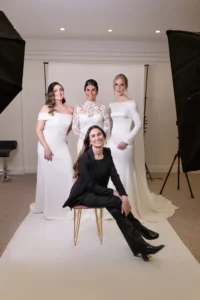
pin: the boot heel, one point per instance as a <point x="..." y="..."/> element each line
<point x="150" y="251"/>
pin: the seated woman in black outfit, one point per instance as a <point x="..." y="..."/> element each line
<point x="93" y="168"/>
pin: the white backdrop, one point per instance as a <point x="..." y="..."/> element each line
<point x="22" y="113"/>
<point x="73" y="77"/>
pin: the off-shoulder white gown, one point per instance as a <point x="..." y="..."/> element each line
<point x="54" y="178"/>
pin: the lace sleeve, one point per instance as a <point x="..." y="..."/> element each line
<point x="75" y="123"/>
<point x="106" y="119"/>
<point x="137" y="124"/>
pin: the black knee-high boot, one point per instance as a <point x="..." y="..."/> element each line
<point x="145" y="232"/>
<point x="129" y="231"/>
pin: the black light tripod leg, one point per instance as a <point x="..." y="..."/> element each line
<point x="168" y="173"/>
<point x="147" y="171"/>
<point x="179" y="161"/>
<point x="191" y="193"/>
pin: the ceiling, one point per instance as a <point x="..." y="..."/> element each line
<point x="91" y="19"/>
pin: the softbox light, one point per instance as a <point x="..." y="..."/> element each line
<point x="12" y="48"/>
<point x="184" y="49"/>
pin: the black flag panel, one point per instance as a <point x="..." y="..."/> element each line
<point x="184" y="49"/>
<point x="12" y="48"/>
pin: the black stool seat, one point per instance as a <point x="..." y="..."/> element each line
<point x="5" y="148"/>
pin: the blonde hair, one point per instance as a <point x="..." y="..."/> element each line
<point x="123" y="77"/>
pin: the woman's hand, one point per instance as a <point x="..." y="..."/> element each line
<point x="115" y="193"/>
<point x="48" y="154"/>
<point x="122" y="145"/>
<point x="126" y="208"/>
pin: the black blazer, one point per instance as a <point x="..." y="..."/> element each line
<point x="86" y="183"/>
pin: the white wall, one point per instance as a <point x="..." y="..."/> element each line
<point x="161" y="137"/>
<point x="160" y="140"/>
<point x="33" y="97"/>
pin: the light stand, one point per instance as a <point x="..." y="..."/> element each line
<point x="145" y="122"/>
<point x="177" y="155"/>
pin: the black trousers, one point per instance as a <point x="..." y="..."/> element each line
<point x="128" y="225"/>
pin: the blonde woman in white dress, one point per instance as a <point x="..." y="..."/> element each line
<point x="129" y="160"/>
<point x="55" y="169"/>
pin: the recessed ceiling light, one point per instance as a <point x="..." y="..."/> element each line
<point x="109" y="30"/>
<point x="62" y="29"/>
<point x="157" y="31"/>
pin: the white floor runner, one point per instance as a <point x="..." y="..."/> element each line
<point x="41" y="262"/>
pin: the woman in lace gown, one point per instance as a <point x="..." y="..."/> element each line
<point x="130" y="164"/>
<point x="86" y="115"/>
<point x="55" y="169"/>
<point x="90" y="113"/>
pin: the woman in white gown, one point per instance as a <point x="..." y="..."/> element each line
<point x="55" y="169"/>
<point x="86" y="115"/>
<point x="90" y="113"/>
<point x="129" y="163"/>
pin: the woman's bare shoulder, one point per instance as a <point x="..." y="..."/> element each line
<point x="44" y="109"/>
<point x="70" y="109"/>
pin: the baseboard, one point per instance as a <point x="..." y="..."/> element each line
<point x="165" y="169"/>
<point x="14" y="171"/>
<point x="21" y="171"/>
<point x="152" y="169"/>
<point x="31" y="170"/>
<point x="161" y="169"/>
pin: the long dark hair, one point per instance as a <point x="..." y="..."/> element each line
<point x="50" y="101"/>
<point x="86" y="146"/>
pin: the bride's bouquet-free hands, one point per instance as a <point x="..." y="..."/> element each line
<point x="48" y="154"/>
<point x="122" y="145"/>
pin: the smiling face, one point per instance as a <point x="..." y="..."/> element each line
<point x="91" y="92"/>
<point x="96" y="138"/>
<point x="120" y="87"/>
<point x="58" y="92"/>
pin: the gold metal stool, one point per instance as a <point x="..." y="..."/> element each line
<point x="77" y="220"/>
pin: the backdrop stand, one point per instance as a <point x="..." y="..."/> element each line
<point x="145" y="122"/>
<point x="45" y="79"/>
